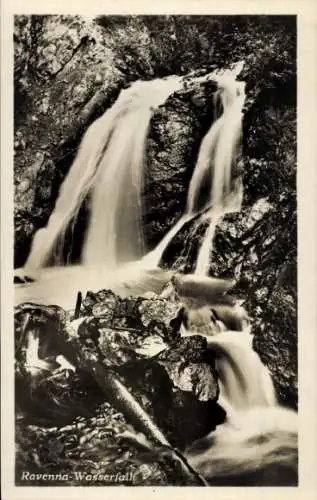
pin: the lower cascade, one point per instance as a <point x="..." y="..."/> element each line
<point x="258" y="447"/>
<point x="258" y="434"/>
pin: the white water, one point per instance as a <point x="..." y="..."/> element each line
<point x="217" y="156"/>
<point x="109" y="167"/>
<point x="259" y="438"/>
<point x="202" y="265"/>
<point x="257" y="445"/>
<point x="243" y="379"/>
<point x="153" y="258"/>
<point x="258" y="449"/>
<point x="60" y="285"/>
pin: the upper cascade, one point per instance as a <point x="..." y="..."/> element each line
<point x="215" y="168"/>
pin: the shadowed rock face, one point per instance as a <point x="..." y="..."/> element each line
<point x="177" y="129"/>
<point x="263" y="261"/>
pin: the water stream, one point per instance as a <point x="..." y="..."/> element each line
<point x="215" y="165"/>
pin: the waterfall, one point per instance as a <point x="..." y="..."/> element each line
<point x="216" y="159"/>
<point x="258" y="442"/>
<point x="217" y="156"/>
<point x="257" y="445"/>
<point x="152" y="259"/>
<point x="202" y="265"/>
<point x="235" y="362"/>
<point x="109" y="168"/>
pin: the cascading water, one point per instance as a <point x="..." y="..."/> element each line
<point x="222" y="143"/>
<point x="258" y="449"/>
<point x="109" y="167"/>
<point x="258" y="442"/>
<point x="216" y="158"/>
<point x="236" y="360"/>
<point x="258" y="435"/>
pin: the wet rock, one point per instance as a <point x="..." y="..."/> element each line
<point x="179" y="388"/>
<point x="46" y="319"/>
<point x="20" y="280"/>
<point x="97" y="449"/>
<point x="161" y="310"/>
<point x="55" y="397"/>
<point x="118" y="346"/>
<point x="263" y="260"/>
<point x="275" y="341"/>
<point x="173" y="378"/>
<point x="147" y="316"/>
<point x="257" y="248"/>
<point x="177" y="128"/>
<point x="127" y="314"/>
<point x="176" y="385"/>
<point x="185" y="364"/>
<point x="100" y="304"/>
<point x="57" y="95"/>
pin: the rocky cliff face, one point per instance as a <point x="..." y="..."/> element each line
<point x="69" y="70"/>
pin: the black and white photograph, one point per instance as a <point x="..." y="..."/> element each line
<point x="155" y="243"/>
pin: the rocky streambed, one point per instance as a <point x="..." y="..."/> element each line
<point x="130" y="382"/>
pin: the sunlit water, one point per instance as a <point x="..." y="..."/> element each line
<point x="258" y="448"/>
<point x="258" y="443"/>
